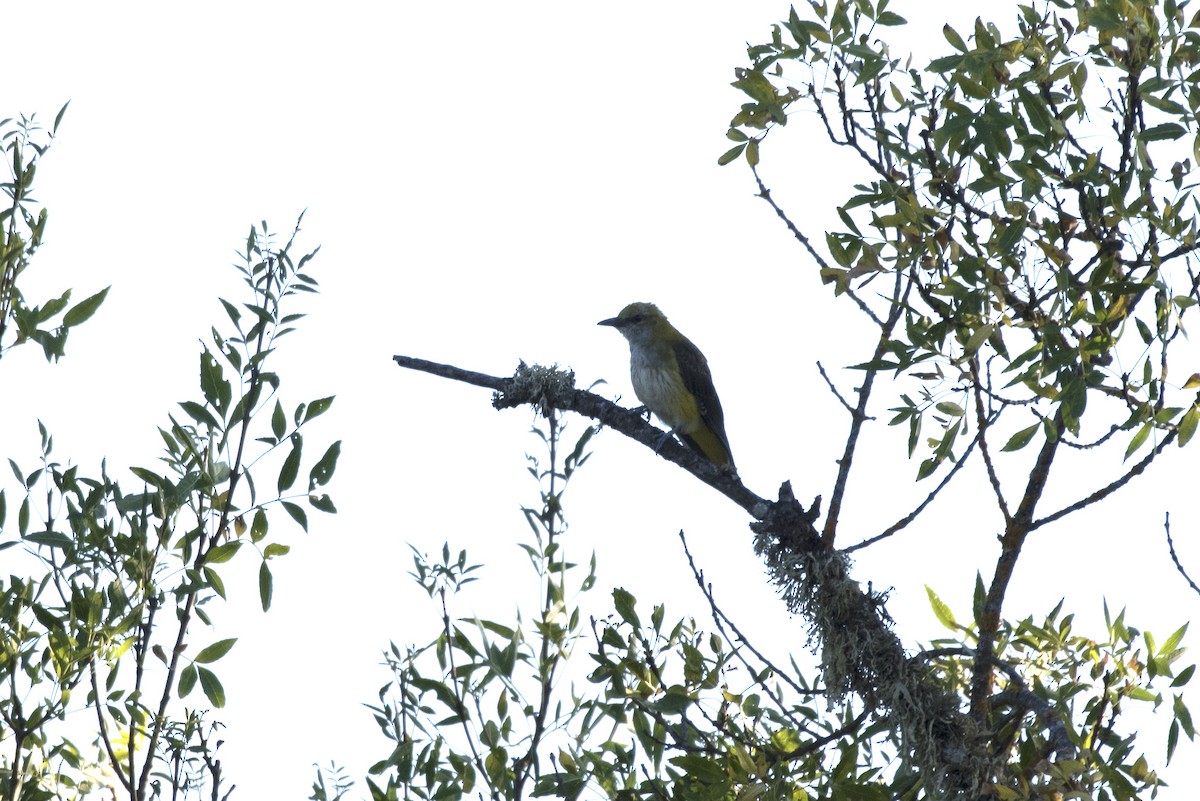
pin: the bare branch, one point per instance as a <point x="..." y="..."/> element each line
<point x="834" y="390"/>
<point x="1175" y="557"/>
<point x="911" y="516"/>
<point x="546" y="388"/>
<point x="983" y="423"/>
<point x="722" y="620"/>
<point x="859" y="416"/>
<point x="1110" y="488"/>
<point x="1018" y="528"/>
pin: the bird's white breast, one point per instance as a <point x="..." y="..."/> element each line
<point x="659" y="386"/>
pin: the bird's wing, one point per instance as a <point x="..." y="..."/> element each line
<point x="698" y="380"/>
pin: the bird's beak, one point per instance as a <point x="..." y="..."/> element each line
<point x="615" y="322"/>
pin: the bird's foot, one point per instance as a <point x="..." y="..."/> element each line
<point x="663" y="440"/>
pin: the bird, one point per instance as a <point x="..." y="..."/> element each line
<point x="671" y="378"/>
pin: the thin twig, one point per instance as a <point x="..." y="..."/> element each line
<point x="1175" y="557"/>
<point x="911" y="516"/>
<point x="983" y="424"/>
<point x="719" y="616"/>
<point x="104" y="736"/>
<point x="834" y="389"/>
<point x="1109" y="489"/>
<point x="900" y="296"/>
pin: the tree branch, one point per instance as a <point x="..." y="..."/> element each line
<point x="1109" y="489"/>
<point x="983" y="423"/>
<point x="1018" y="527"/>
<point x="911" y="516"/>
<point x="1175" y="557"/>
<point x="547" y="388"/>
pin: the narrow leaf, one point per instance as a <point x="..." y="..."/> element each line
<point x="85" y="308"/>
<point x="215" y="651"/>
<point x="322" y="471"/>
<point x="212" y="687"/>
<point x="291" y="465"/>
<point x="266" y="586"/>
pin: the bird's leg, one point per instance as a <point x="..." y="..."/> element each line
<point x="663" y="440"/>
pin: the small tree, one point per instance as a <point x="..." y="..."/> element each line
<point x="124" y="570"/>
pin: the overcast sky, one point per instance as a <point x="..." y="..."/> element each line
<point x="486" y="181"/>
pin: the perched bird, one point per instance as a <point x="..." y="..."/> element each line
<point x="670" y="376"/>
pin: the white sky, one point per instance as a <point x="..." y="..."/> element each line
<point x="486" y="182"/>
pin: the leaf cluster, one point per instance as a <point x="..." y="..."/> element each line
<point x="1029" y="199"/>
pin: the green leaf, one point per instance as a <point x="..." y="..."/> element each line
<point x="1173" y="641"/>
<point x="223" y="553"/>
<point x="757" y="86"/>
<point x="1021" y="438"/>
<point x="215" y="651"/>
<point x="951" y="409"/>
<point x="187" y="680"/>
<point x="276" y="549"/>
<point x="980" y="335"/>
<point x="297" y="514"/>
<point x="1187" y="428"/>
<point x="1184" y="676"/>
<point x="53" y="307"/>
<point x="1138" y="439"/>
<point x="52" y="539"/>
<point x="954" y="39"/>
<point x="84" y="309"/>
<point x="940" y="610"/>
<point x="978" y="598"/>
<point x="235" y="316"/>
<point x="317" y="407"/>
<point x="258" y="529"/>
<point x="215" y="581"/>
<point x="322" y="471"/>
<point x="266" y="586"/>
<point x="212" y="687"/>
<point x="1167" y="130"/>
<point x="730" y="154"/>
<point x="322" y="503"/>
<point x="625" y="602"/>
<point x="291" y="465"/>
<point x="216" y="389"/>
<point x="278" y="421"/>
<point x="201" y="415"/>
<point x="891" y="18"/>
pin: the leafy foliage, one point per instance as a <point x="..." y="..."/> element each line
<point x="106" y="618"/>
<point x="1030" y="196"/>
<point x="22" y="227"/>
<point x="670" y="711"/>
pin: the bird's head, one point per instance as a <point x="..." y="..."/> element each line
<point x="638" y="322"/>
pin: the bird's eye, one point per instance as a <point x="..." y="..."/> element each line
<point x="637" y="318"/>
